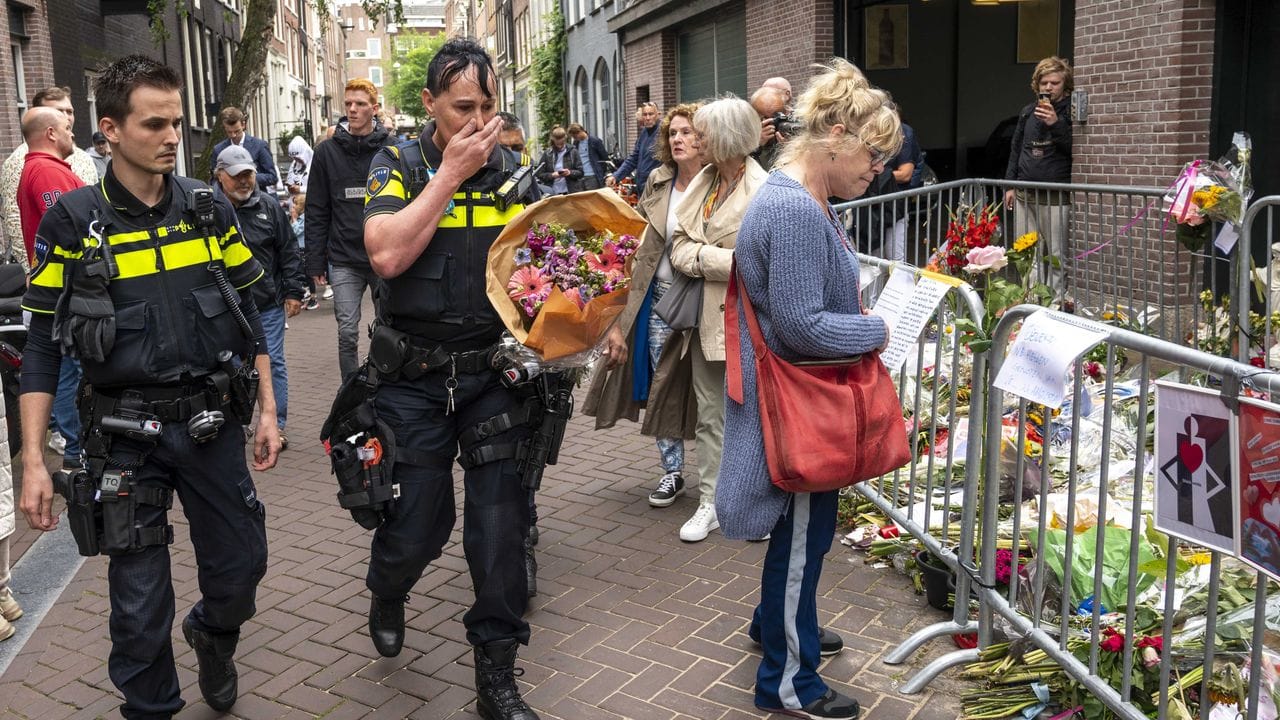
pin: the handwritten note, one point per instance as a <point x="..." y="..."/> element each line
<point x="1036" y="367"/>
<point x="907" y="305"/>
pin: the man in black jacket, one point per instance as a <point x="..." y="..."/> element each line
<point x="334" y="225"/>
<point x="268" y="234"/>
<point x="593" y="156"/>
<point x="1041" y="152"/>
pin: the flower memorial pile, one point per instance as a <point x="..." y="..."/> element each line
<point x="556" y="258"/>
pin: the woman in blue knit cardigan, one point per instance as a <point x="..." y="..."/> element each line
<point x="799" y="269"/>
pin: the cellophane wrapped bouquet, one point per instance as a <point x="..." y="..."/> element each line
<point x="1208" y="192"/>
<point x="559" y="274"/>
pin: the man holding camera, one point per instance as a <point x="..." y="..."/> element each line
<point x="145" y="279"/>
<point x="1041" y="152"/>
<point x="433" y="207"/>
<point x="770" y="103"/>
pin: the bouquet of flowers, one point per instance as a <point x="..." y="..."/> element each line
<point x="969" y="252"/>
<point x="556" y="258"/>
<point x="558" y="273"/>
<point x="1210" y="191"/>
<point x="971" y="228"/>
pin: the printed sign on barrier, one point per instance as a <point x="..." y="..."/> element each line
<point x="1194" y="499"/>
<point x="1257" y="523"/>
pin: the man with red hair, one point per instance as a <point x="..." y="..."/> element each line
<point x="334" y="225"/>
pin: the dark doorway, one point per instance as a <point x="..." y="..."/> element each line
<point x="959" y="76"/>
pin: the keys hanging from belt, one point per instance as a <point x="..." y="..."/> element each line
<point x="451" y="384"/>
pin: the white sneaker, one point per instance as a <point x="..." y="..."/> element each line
<point x="328" y="292"/>
<point x="57" y="443"/>
<point x="701" y="524"/>
<point x="9" y="608"/>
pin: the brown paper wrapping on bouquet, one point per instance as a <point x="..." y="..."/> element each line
<point x="561" y="329"/>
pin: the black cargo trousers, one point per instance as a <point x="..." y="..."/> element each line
<point x="495" y="505"/>
<point x="228" y="532"/>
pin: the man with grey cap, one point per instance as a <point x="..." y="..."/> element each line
<point x="269" y="235"/>
<point x="100" y="152"/>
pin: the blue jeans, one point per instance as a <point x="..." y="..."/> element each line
<point x="273" y="326"/>
<point x="66" y="418"/>
<point x="348" y="285"/>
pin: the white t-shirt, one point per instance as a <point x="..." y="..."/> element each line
<point x="665" y="272"/>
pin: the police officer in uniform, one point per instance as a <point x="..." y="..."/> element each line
<point x="145" y="279"/>
<point x="430" y="217"/>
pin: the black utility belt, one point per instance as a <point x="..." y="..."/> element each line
<point x="167" y="404"/>
<point x="397" y="354"/>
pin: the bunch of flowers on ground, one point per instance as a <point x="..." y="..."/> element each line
<point x="582" y="268"/>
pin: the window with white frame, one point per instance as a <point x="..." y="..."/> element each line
<point x="15" y="52"/>
<point x="375" y="75"/>
<point x="373" y="46"/>
<point x="604" y="100"/>
<point x="89" y="77"/>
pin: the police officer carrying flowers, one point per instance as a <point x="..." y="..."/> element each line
<point x="431" y="213"/>
<point x="146" y="280"/>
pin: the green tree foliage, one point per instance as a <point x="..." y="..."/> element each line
<point x="247" y="70"/>
<point x="405" y="92"/>
<point x="548" y="77"/>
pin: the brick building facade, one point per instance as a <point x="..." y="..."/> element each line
<point x="28" y="68"/>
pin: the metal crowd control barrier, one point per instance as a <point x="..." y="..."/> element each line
<point x="1036" y="614"/>
<point x="1119" y="254"/>
<point x="907" y="496"/>
<point x="1258" y="227"/>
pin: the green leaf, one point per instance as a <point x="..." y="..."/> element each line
<point x="978" y="346"/>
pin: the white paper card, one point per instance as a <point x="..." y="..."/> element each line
<point x="1226" y="239"/>
<point x="1036" y="367"/>
<point x="907" y="305"/>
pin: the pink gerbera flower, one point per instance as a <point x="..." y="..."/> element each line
<point x="606" y="261"/>
<point x="528" y="282"/>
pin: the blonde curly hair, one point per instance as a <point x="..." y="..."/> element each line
<point x="841" y="95"/>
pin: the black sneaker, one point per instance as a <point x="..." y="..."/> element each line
<point x="831" y="705"/>
<point x="670" y="487"/>
<point x="829" y="643"/>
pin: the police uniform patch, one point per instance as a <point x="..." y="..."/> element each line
<point x="377" y="180"/>
<point x="42" y="252"/>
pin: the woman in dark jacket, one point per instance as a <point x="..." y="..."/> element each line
<point x="560" y="168"/>
<point x="656" y="376"/>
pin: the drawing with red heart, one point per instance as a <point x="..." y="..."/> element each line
<point x="1191" y="455"/>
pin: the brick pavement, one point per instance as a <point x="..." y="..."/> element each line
<point x="629" y="622"/>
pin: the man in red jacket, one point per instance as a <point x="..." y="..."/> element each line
<point x="46" y="176"/>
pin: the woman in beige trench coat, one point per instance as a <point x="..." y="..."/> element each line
<point x="657" y="373"/>
<point x="702" y="247"/>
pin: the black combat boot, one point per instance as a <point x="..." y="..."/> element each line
<point x="497" y="697"/>
<point x="386" y="625"/>
<point x="530" y="567"/>
<point x="215" y="654"/>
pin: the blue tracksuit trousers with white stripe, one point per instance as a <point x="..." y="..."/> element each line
<point x="787" y="616"/>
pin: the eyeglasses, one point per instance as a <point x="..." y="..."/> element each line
<point x="878" y="156"/>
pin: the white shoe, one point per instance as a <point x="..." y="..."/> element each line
<point x="328" y="292"/>
<point x="9" y="608"/>
<point x="701" y="524"/>
<point x="57" y="443"/>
